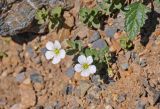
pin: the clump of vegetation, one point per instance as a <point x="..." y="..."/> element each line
<point x="125" y="43"/>
<point x="100" y="56"/>
<point x="53" y="18"/>
<point x="91" y="17"/>
<point x="135" y="15"/>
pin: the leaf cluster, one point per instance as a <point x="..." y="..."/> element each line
<point x="53" y="17"/>
<point x="91" y="17"/>
<point x="100" y="57"/>
<point x="110" y="6"/>
<point x="125" y="43"/>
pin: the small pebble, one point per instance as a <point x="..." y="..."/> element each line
<point x="94" y="37"/>
<point x="37" y="78"/>
<point x="70" y="72"/>
<point x="143" y="62"/>
<point x="110" y="31"/>
<point x="20" y="77"/>
<point x="100" y="43"/>
<point x="125" y="66"/>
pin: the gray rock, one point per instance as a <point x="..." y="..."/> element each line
<point x="70" y="72"/>
<point x="99" y="44"/>
<point x="37" y="60"/>
<point x="20" y="77"/>
<point x="18" y="15"/>
<point x="154" y="95"/>
<point x="36" y="78"/>
<point x="95" y="79"/>
<point x="31" y="52"/>
<point x="94" y="37"/>
<point x="124" y="66"/>
<point x="135" y="57"/>
<point x="43" y="50"/>
<point x="140" y="105"/>
<point x="121" y="98"/>
<point x="110" y="31"/>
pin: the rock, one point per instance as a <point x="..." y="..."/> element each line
<point x="96" y="79"/>
<point x="28" y="97"/>
<point x="43" y="50"/>
<point x="108" y="107"/>
<point x="110" y="31"/>
<point x="125" y="66"/>
<point x="82" y="88"/>
<point x="154" y="95"/>
<point x="140" y="105"/>
<point x="143" y="62"/>
<point x="68" y="89"/>
<point x="135" y="57"/>
<point x="70" y="72"/>
<point x="16" y="106"/>
<point x="37" y="60"/>
<point x="99" y="44"/>
<point x="20" y="16"/>
<point x="36" y="78"/>
<point x="94" y="91"/>
<point x="31" y="52"/>
<point x="94" y="37"/>
<point x="121" y="98"/>
<point x="3" y="101"/>
<point x="20" y="77"/>
<point x="57" y="105"/>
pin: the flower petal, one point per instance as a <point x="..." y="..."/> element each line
<point x="49" y="55"/>
<point x="82" y="59"/>
<point x="50" y="45"/>
<point x="57" y="44"/>
<point x="89" y="60"/>
<point x="62" y="53"/>
<point x="78" y="68"/>
<point x="92" y="69"/>
<point x="56" y="60"/>
<point x="85" y="73"/>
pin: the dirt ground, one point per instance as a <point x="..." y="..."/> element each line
<point x="29" y="81"/>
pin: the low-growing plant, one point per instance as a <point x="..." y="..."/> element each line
<point x="125" y="43"/>
<point x="100" y="56"/>
<point x="135" y="14"/>
<point x="110" y="6"/>
<point x="91" y="17"/>
<point x="52" y="18"/>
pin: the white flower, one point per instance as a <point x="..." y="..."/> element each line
<point x="85" y="66"/>
<point x="54" y="52"/>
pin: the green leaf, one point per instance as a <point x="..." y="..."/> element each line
<point x="71" y="43"/>
<point x="71" y="51"/>
<point x="135" y="19"/>
<point x="41" y="16"/>
<point x="56" y="12"/>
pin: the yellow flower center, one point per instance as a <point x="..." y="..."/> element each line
<point x="85" y="66"/>
<point x="56" y="51"/>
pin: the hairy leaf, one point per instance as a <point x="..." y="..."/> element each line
<point x="135" y="19"/>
